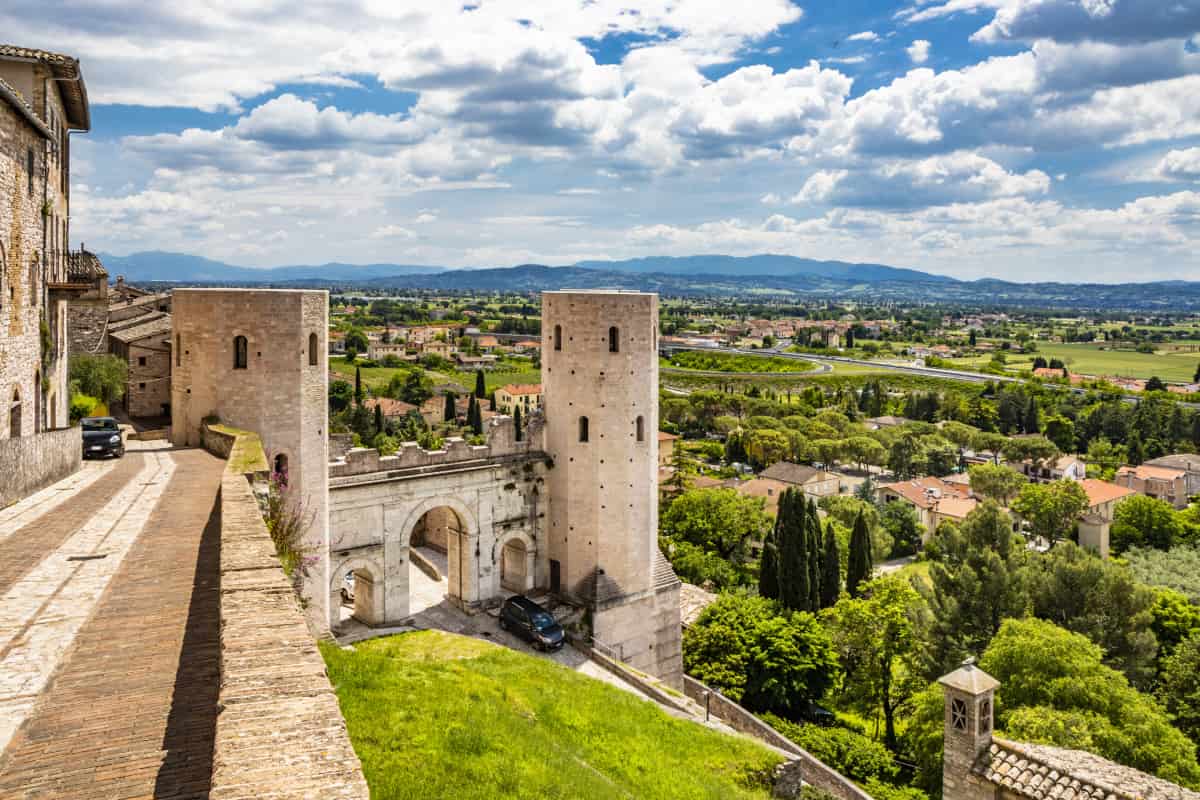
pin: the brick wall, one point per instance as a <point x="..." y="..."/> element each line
<point x="280" y="732"/>
<point x="34" y="462"/>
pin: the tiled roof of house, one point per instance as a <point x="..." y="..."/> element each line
<point x="956" y="507"/>
<point x="798" y="474"/>
<point x="66" y="68"/>
<point x="767" y="488"/>
<point x="1147" y="471"/>
<point x="517" y="389"/>
<point x="1099" y="491"/>
<point x="1041" y="771"/>
<point x="83" y="267"/>
<point x="390" y="407"/>
<point x="692" y="602"/>
<point x="1188" y="462"/>
<point x="925" y="492"/>
<point x="159" y="326"/>
<point x="137" y="321"/>
<point x="663" y="436"/>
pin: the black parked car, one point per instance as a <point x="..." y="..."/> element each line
<point x="531" y="622"/>
<point x="101" y="437"/>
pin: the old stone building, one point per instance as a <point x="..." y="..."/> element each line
<point x="256" y="360"/>
<point x="600" y="381"/>
<point x="978" y="765"/>
<point x="42" y="99"/>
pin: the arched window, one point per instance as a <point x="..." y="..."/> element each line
<point x="313" y="356"/>
<point x="240" y="352"/>
<point x="583" y="429"/>
<point x="281" y="469"/>
<point x="614" y="340"/>
<point x="14" y="414"/>
<point x="37" y="401"/>
<point x="178" y="349"/>
<point x="641" y="429"/>
<point x="558" y="337"/>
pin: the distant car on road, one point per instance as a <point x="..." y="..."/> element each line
<point x="348" y="587"/>
<point x="101" y="437"/>
<point x="531" y="622"/>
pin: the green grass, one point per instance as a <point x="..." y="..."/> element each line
<point x="379" y="377"/>
<point x="732" y="362"/>
<point x="1091" y="360"/>
<point x="918" y="570"/>
<point x="434" y="715"/>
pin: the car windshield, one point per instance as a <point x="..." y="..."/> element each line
<point x="542" y="620"/>
<point x="100" y="425"/>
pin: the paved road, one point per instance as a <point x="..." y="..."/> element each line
<point x="109" y="650"/>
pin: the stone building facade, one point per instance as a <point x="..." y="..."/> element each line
<point x="600" y="382"/>
<point x="256" y="360"/>
<point x="42" y="98"/>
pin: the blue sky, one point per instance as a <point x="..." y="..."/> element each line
<point x="1023" y="139"/>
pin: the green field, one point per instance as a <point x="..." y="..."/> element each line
<point x="701" y="361"/>
<point x="433" y="715"/>
<point x="1174" y="367"/>
<point x="378" y="377"/>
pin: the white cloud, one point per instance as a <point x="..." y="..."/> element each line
<point x="918" y="51"/>
<point x="1180" y="165"/>
<point x="863" y="36"/>
<point x="393" y="232"/>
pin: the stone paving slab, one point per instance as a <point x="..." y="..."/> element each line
<point x="131" y="711"/>
<point x="38" y="504"/>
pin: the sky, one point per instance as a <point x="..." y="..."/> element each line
<point x="1019" y="139"/>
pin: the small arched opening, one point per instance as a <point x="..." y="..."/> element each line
<point x="358" y="591"/>
<point x="641" y="429"/>
<point x="583" y="429"/>
<point x="178" y="350"/>
<point x="313" y="355"/>
<point x="558" y="337"/>
<point x="614" y="340"/>
<point x="440" y="559"/>
<point x="241" y="352"/>
<point x="280" y="471"/>
<point x="516" y="565"/>
<point x="14" y="414"/>
<point x="37" y="401"/>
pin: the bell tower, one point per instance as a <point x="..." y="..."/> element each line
<point x="970" y="709"/>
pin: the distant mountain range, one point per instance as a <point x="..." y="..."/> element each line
<point x="712" y="275"/>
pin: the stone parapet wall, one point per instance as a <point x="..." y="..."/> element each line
<point x="812" y="770"/>
<point x="34" y="462"/>
<point x="280" y="731"/>
<point x="501" y="441"/>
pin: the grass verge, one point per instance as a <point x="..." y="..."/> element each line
<point x="434" y="715"/>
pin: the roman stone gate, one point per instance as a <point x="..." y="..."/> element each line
<point x="470" y="517"/>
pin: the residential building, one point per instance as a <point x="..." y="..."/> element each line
<point x="377" y="351"/>
<point x="1161" y="483"/>
<point x="666" y="449"/>
<point x="810" y="480"/>
<point x="144" y="344"/>
<point x="392" y="410"/>
<point x="934" y="499"/>
<point x="42" y="99"/>
<point x="1188" y="462"/>
<point x="527" y="397"/>
<point x="1065" y="468"/>
<point x="1096" y="521"/>
<point x="769" y="489"/>
<point x="875" y="423"/>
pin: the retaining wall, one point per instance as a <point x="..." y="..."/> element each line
<point x="30" y="463"/>
<point x="280" y="732"/>
<point x="812" y="770"/>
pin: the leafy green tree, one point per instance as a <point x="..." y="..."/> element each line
<point x="902" y="524"/>
<point x="1141" y="521"/>
<point x="879" y="640"/>
<point x="1155" y="384"/>
<point x="717" y="520"/>
<point x="103" y="376"/>
<point x="1037" y="449"/>
<point x="764" y="447"/>
<point x="831" y="569"/>
<point x="768" y="568"/>
<point x="977" y="578"/>
<point x="378" y="418"/>
<point x="1032" y="423"/>
<point x="1077" y="590"/>
<point x="417" y="388"/>
<point x="996" y="482"/>
<point x="1105" y="455"/>
<point x="356" y="342"/>
<point x="845" y="510"/>
<point x="480" y="385"/>
<point x="1180" y="689"/>
<point x="860" y="564"/>
<point x="1051" y="509"/>
<point x="1135" y="452"/>
<point x="760" y="658"/>
<point x="449" y="409"/>
<point x="1175" y="619"/>
<point x="794" y="575"/>
<point x="704" y="568"/>
<point x="386" y="445"/>
<point x="341" y="394"/>
<point x="902" y="458"/>
<point x="1056" y="689"/>
<point x="991" y="442"/>
<point x="1061" y="431"/>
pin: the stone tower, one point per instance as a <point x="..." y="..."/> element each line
<point x="600" y="379"/>
<point x="256" y="359"/>
<point x="970" y="708"/>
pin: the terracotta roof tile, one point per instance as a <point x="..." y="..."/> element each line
<point x="65" y="68"/>
<point x="1099" y="491"/>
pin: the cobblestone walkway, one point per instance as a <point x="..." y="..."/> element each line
<point x="108" y="635"/>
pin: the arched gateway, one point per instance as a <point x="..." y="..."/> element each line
<point x="461" y="526"/>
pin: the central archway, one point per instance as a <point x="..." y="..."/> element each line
<point x="440" y="541"/>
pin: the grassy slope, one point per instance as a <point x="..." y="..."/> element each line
<point x="1088" y="358"/>
<point x="433" y="715"/>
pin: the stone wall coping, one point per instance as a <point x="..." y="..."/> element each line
<point x="280" y="732"/>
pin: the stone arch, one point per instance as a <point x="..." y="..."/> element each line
<point x="614" y="339"/>
<point x="279" y="467"/>
<point x="370" y="604"/>
<point x="583" y="429"/>
<point x="14" y="414"/>
<point x="37" y="400"/>
<point x="640" y="425"/>
<point x="558" y="337"/>
<point x="514" y="557"/>
<point x="241" y="352"/>
<point x="462" y="573"/>
<point x="314" y="357"/>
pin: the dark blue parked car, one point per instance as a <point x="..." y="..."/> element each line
<point x="531" y="622"/>
<point x="101" y="437"/>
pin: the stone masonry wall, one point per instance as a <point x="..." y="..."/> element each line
<point x="280" y="733"/>
<point x="149" y="384"/>
<point x="34" y="462"/>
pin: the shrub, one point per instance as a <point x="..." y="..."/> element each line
<point x="852" y="754"/>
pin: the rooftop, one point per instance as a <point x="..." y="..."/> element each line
<point x="69" y="77"/>
<point x="798" y="474"/>
<point x="1099" y="491"/>
<point x="84" y="267"/>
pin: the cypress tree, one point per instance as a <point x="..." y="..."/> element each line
<point x="480" y="388"/>
<point x="831" y="569"/>
<point x="794" y="583"/>
<point x="786" y="541"/>
<point x="378" y="417"/>
<point x="1136" y="453"/>
<point x="768" y="568"/>
<point x="517" y="422"/>
<point x="450" y="412"/>
<point x="813" y="557"/>
<point x="358" y="395"/>
<point x="1032" y="422"/>
<point x="476" y="417"/>
<point x="858" y="567"/>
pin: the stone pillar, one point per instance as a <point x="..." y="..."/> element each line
<point x="1093" y="534"/>
<point x="970" y="695"/>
